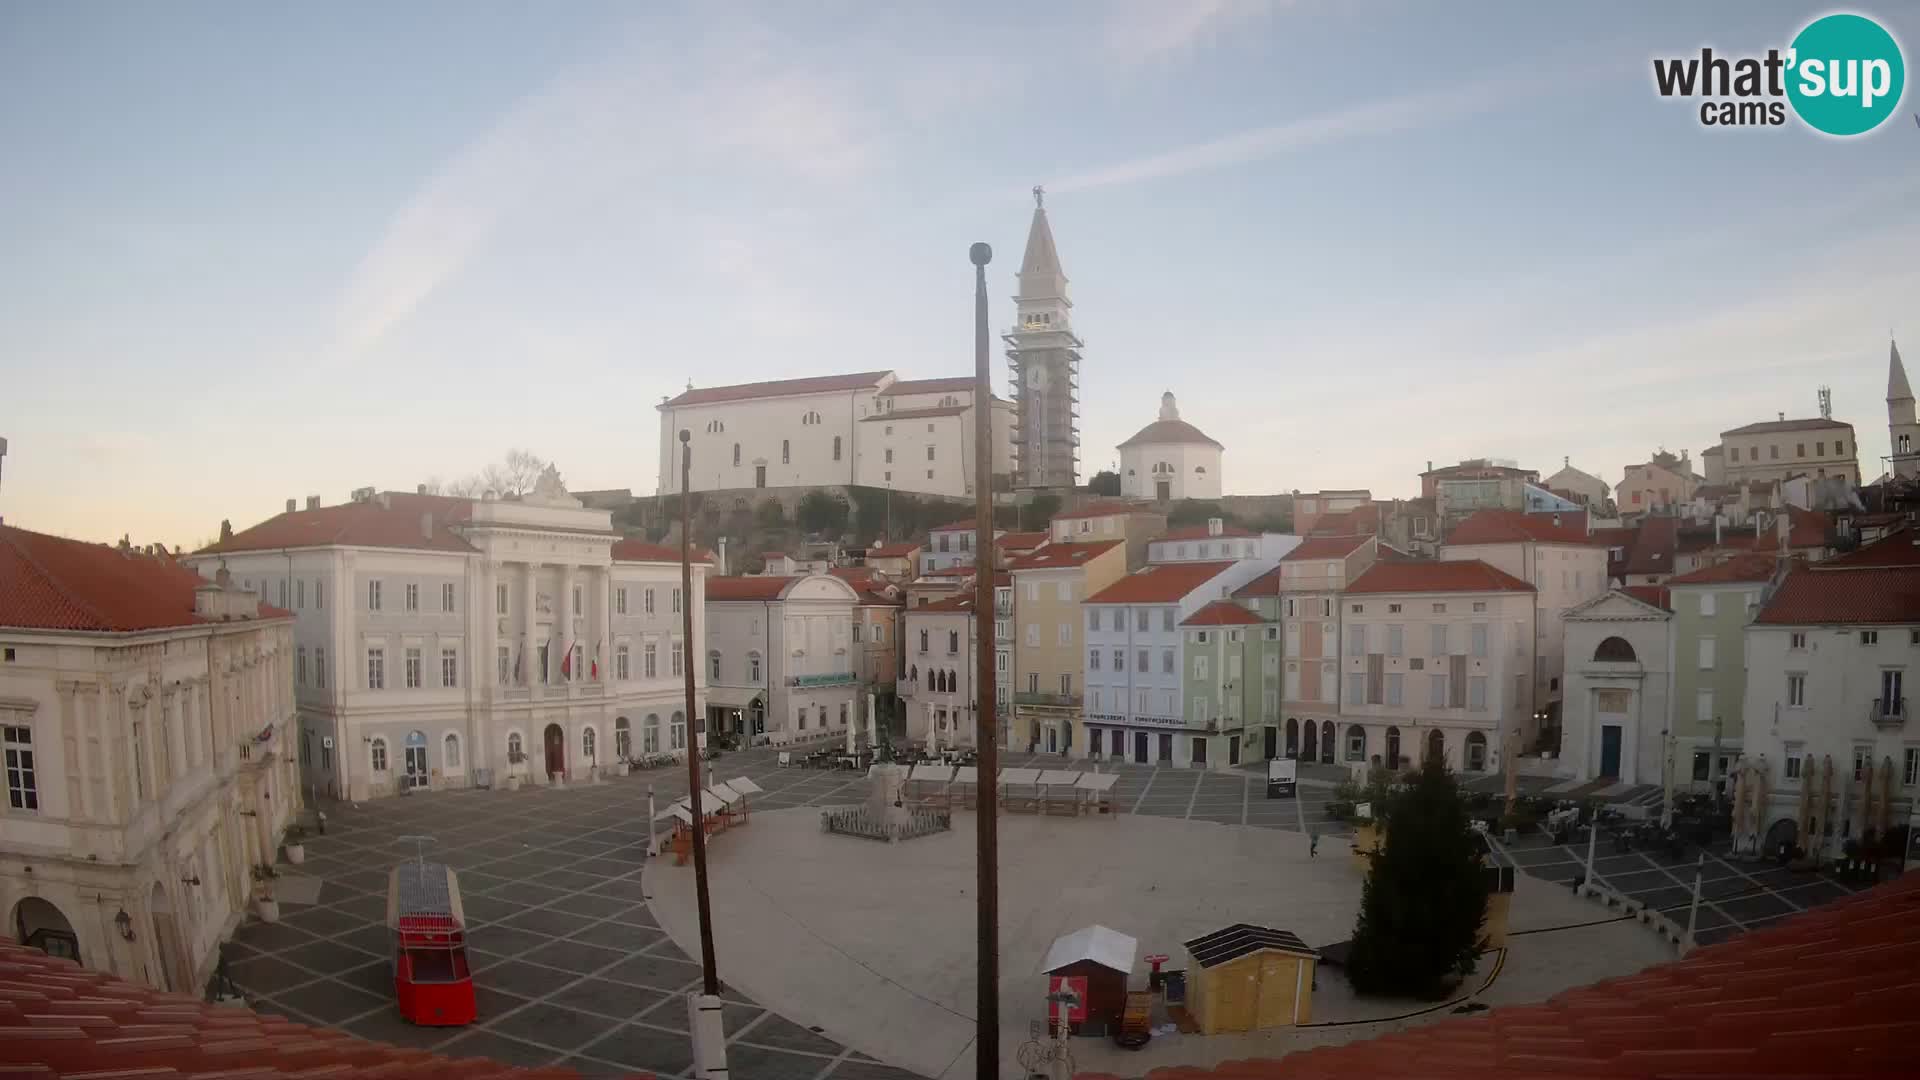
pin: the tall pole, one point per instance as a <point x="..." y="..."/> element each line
<point x="986" y="1043"/>
<point x="707" y="972"/>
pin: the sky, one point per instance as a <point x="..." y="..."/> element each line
<point x="256" y="252"/>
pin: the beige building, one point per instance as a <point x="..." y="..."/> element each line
<point x="1783" y="448"/>
<point x="1134" y="523"/>
<point x="1586" y="488"/>
<point x="1049" y="586"/>
<point x="938" y="691"/>
<point x="1307" y="586"/>
<point x="1662" y="481"/>
<point x="148" y="725"/>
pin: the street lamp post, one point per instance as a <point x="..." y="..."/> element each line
<point x="703" y="1009"/>
<point x="986" y="1045"/>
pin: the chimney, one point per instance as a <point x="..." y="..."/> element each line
<point x="1783" y="417"/>
<point x="723" y="557"/>
<point x="226" y="530"/>
<point x="291" y="503"/>
<point x="1717" y="519"/>
<point x="313" y="502"/>
<point x="420" y="489"/>
<point x="426" y="526"/>
<point x="385" y="502"/>
<point x="1216" y="526"/>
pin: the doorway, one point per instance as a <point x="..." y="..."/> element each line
<point x="1309" y="750"/>
<point x="1053" y="741"/>
<point x="1163" y="490"/>
<point x="1166" y="749"/>
<point x="1393" y="748"/>
<point x="1610" y="751"/>
<point x="1140" y="747"/>
<point x="759" y="476"/>
<point x="1326" y="742"/>
<point x="39" y="925"/>
<point x="415" y="757"/>
<point x="1273" y="740"/>
<point x="556" y="743"/>
<point x="165" y="942"/>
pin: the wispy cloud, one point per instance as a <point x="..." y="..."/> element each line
<point x="1139" y="31"/>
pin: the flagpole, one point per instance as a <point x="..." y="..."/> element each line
<point x="704" y="1019"/>
<point x="986" y="1043"/>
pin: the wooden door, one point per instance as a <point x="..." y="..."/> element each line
<point x="556" y="742"/>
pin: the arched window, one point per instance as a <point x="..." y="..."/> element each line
<point x="1615" y="650"/>
<point x="1327" y="748"/>
<point x="379" y="753"/>
<point x="450" y="751"/>
<point x="588" y="743"/>
<point x="1437" y="745"/>
<point x="913" y="675"/>
<point x="622" y="737"/>
<point x="1393" y="748"/>
<point x="923" y="639"/>
<point x="1293" y="736"/>
<point x="1356" y="743"/>
<point x="1201" y="469"/>
<point x="516" y="749"/>
<point x="1476" y="752"/>
<point x="650" y="734"/>
<point x="677" y="732"/>
<point x="953" y="642"/>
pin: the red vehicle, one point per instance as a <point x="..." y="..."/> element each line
<point x="432" y="981"/>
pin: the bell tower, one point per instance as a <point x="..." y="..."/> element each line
<point x="1043" y="358"/>
<point x="1903" y="433"/>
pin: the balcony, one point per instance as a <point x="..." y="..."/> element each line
<point x="1051" y="700"/>
<point x="1888" y="713"/>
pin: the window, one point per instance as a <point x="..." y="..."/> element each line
<point x="1481" y="605"/>
<point x="283" y="592"/>
<point x="1436" y="691"/>
<point x="300" y="592"/>
<point x="1733" y="453"/>
<point x="320" y="666"/>
<point x="736" y="455"/>
<point x="1066" y="633"/>
<point x="1033" y="634"/>
<point x="1796" y="755"/>
<point x="650" y="734"/>
<point x="1356" y="688"/>
<point x="1840" y="446"/>
<point x="1869" y="637"/>
<point x="1356" y="743"/>
<point x="1326" y="608"/>
<point x="1292" y="610"/>
<point x="676" y="600"/>
<point x="373" y="595"/>
<point x="1066" y="684"/>
<point x="1166" y="662"/>
<point x="516" y="749"/>
<point x="1357" y="608"/>
<point x="450" y="752"/>
<point x="713" y="666"/>
<point x="1797" y="691"/>
<point x="1799" y="450"/>
<point x="446" y="596"/>
<point x="376" y="669"/>
<point x="929" y="452"/>
<point x="1064" y="591"/>
<point x="1478" y="632"/>
<point x="449" y="667"/>
<point x="1703" y="707"/>
<point x="646" y="601"/>
<point x="1862" y="761"/>
<point x="620" y="601"/>
<point x="379" y="755"/>
<point x="1439" y="639"/>
<point x="500" y="599"/>
<point x="412" y="596"/>
<point x="1707" y="607"/>
<point x="1797" y="640"/>
<point x="23" y="786"/>
<point x="953" y="643"/>
<point x="1706" y="654"/>
<point x="503" y="659"/>
<point x="1394" y="688"/>
<point x="679" y="660"/>
<point x="1393" y="609"/>
<point x="1439" y="609"/>
<point x="1477" y="693"/>
<point x="413" y="669"/>
<point x="677" y="732"/>
<point x="786" y="452"/>
<point x="1395" y="638"/>
<point x="300" y="665"/>
<point x="1200" y="666"/>
<point x="1141" y="617"/>
<point x="1356" y="640"/>
<point x="1093" y="659"/>
<point x="650" y="661"/>
<point x="578" y="605"/>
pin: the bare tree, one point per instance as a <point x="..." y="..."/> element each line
<point x="467" y="487"/>
<point x="433" y="486"/>
<point x="517" y="474"/>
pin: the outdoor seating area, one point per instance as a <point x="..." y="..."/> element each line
<point x="722" y="806"/>
<point x="1062" y="792"/>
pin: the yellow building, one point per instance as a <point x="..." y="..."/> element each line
<point x="1049" y="653"/>
<point x="1249" y="978"/>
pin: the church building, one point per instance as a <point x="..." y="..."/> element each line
<point x="1170" y="459"/>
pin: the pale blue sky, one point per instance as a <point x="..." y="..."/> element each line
<point x="249" y="253"/>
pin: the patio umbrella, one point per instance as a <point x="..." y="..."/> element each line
<point x="1759" y="801"/>
<point x="1823" y="821"/>
<point x="1866" y="799"/>
<point x="1739" y="801"/>
<point x="1886" y="794"/>
<point x="1806" y="802"/>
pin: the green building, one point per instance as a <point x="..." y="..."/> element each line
<point x="1711" y="609"/>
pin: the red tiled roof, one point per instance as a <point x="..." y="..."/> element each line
<point x="1827" y="993"/>
<point x="1221" y="613"/>
<point x="1359" y="521"/>
<point x="1021" y="541"/>
<point x="1805" y="529"/>
<point x="1619" y="538"/>
<point x="1447" y="575"/>
<point x="820" y="384"/>
<point x="642" y="551"/>
<point x="1201" y="532"/>
<point x="894" y="551"/>
<point x="1811" y="596"/>
<point x="1656" y="595"/>
<point x="960" y="601"/>
<point x="1104" y="508"/>
<point x="358" y="524"/>
<point x="1653" y="546"/>
<point x="1162" y="432"/>
<point x="1900" y="548"/>
<point x="1691" y="539"/>
<point x="756" y="587"/>
<point x="60" y="1019"/>
<point x="960" y="385"/>
<point x="1267" y="584"/>
<point x="1055" y="556"/>
<point x="1325" y="547"/>
<point x="1749" y="567"/>
<point x="916" y="414"/>
<point x="1160" y="583"/>
<point x="52" y="583"/>
<point x="1513" y="527"/>
<point x="1787" y="425"/>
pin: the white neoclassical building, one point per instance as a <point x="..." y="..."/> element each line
<point x="781" y="655"/>
<point x="442" y="642"/>
<point x="146" y="718"/>
<point x="870" y="428"/>
<point x="1619" y="685"/>
<point x="1170" y="459"/>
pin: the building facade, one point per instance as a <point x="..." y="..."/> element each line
<point x="1136" y="524"/>
<point x="443" y="642"/>
<point x="1780" y="449"/>
<point x="868" y="428"/>
<point x="783" y="651"/>
<point x="1903" y="429"/>
<point x="1587" y="489"/>
<point x="1311" y="580"/>
<point x="1170" y="459"/>
<point x="939" y="691"/>
<point x="147" y="723"/>
<point x="1711" y="609"/>
<point x="1618" y="680"/>
<point x="1662" y="483"/>
<point x="1043" y="358"/>
<point x="1050" y="585"/>
<point x="1223" y="644"/>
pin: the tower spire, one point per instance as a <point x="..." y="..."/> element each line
<point x="1897" y="388"/>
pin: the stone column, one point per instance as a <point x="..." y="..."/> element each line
<point x="563" y="626"/>
<point x="529" y="657"/>
<point x="605" y="649"/>
<point x="873" y="731"/>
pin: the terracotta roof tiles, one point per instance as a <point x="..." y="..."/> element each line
<point x="1170" y="432"/>
<point x="1512" y="527"/>
<point x="917" y="414"/>
<point x="1222" y="613"/>
<point x="1766" y="426"/>
<point x="821" y="384"/>
<point x="394" y="523"/>
<point x="1748" y="568"/>
<point x="1901" y="548"/>
<point x="1325" y="547"/>
<point x="1653" y="546"/>
<point x="1424" y="576"/>
<point x="753" y="587"/>
<point x="1160" y="583"/>
<point x="1021" y="541"/>
<point x="52" y="583"/>
<point x="1267" y="584"/>
<point x="1056" y="556"/>
<point x="1657" y="595"/>
<point x="960" y="385"/>
<point x="1870" y="596"/>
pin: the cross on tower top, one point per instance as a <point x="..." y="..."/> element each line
<point x="1039" y="197"/>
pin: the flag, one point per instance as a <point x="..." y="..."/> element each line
<point x="596" y="661"/>
<point x="518" y="655"/>
<point x="566" y="662"/>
